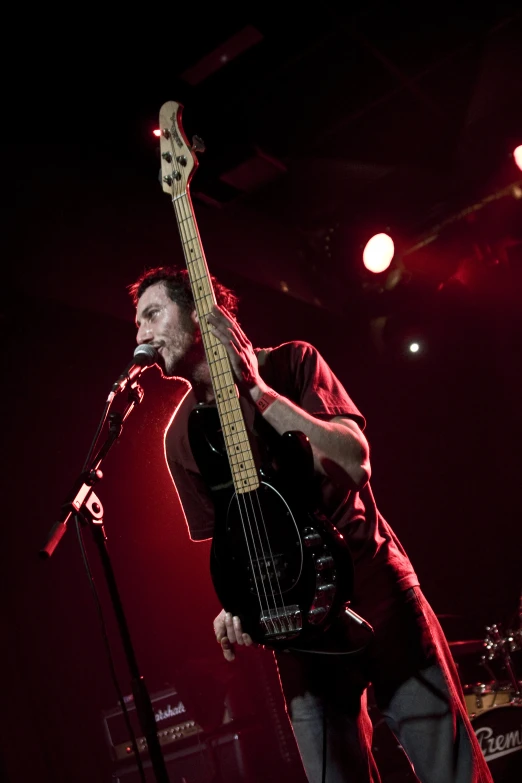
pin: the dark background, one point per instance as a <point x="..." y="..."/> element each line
<point x="322" y="127"/>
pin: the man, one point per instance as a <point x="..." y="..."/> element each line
<point x="407" y="660"/>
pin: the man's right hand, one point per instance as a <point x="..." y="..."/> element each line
<point x="228" y="632"/>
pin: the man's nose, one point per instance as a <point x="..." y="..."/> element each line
<point x="144" y="334"/>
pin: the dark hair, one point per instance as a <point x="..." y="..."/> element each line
<point x="177" y="285"/>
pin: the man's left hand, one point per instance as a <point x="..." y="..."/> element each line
<point x="238" y="347"/>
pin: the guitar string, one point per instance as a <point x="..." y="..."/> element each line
<point x="244" y="499"/>
<point x="269" y="545"/>
<point x="178" y="209"/>
<point x="187" y="218"/>
<point x="241" y="499"/>
<point x="277" y="618"/>
<point x="243" y="511"/>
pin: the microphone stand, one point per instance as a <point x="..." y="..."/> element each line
<point x="85" y="504"/>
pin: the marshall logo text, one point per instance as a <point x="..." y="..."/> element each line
<point x="169" y="712"/>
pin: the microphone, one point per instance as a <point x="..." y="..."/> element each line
<point x="144" y="356"/>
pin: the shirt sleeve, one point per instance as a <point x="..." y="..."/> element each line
<point x="195" y="501"/>
<point x="311" y="383"/>
<point x="193" y="494"/>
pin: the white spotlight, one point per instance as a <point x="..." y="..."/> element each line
<point x="378" y="253"/>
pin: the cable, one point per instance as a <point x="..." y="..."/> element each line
<point x="325" y="734"/>
<point x="97" y="434"/>
<point x="97" y="603"/>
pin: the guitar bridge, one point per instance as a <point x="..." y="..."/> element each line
<point x="283" y="622"/>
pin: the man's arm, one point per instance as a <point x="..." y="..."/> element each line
<point x="340" y="449"/>
<point x="339" y="446"/>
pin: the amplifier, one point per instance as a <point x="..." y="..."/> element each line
<point x="173" y="723"/>
<point x="192" y="764"/>
<point x="228" y="757"/>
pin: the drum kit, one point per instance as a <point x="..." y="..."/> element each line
<point x="494" y="701"/>
<point x="490" y="671"/>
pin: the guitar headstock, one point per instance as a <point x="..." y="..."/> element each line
<point x="178" y="161"/>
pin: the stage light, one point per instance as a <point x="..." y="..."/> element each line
<point x="378" y="253"/>
<point x="414" y="347"/>
<point x="157" y="133"/>
<point x="517" y="154"/>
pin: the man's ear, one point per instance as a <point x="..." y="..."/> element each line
<point x="194" y="317"/>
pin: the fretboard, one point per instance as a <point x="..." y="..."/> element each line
<point x="244" y="473"/>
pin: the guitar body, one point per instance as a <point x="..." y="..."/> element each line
<point x="286" y="572"/>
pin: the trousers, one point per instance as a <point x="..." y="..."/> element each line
<point x="416" y="688"/>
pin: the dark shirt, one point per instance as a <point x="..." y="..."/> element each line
<point x="297" y="371"/>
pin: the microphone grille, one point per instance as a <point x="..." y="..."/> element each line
<point x="145" y="355"/>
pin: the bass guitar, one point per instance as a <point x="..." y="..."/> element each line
<point x="277" y="563"/>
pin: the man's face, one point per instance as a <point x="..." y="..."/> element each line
<point x="163" y="324"/>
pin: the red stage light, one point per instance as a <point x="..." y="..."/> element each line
<point x="378" y="253"/>
<point x="517" y="154"/>
<point x="157" y="133"/>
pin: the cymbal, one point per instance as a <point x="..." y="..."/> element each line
<point x="467" y="646"/>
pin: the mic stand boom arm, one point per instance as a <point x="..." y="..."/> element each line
<point x="86" y="480"/>
<point x="87" y="506"/>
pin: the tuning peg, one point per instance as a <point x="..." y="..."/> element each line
<point x="198" y="145"/>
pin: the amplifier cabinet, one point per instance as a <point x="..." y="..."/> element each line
<point x="186" y="765"/>
<point x="226" y="757"/>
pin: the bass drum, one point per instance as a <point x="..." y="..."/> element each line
<point x="482" y="697"/>
<point x="499" y="733"/>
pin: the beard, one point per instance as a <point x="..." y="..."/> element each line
<point x="182" y="351"/>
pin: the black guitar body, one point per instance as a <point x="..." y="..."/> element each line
<point x="283" y="569"/>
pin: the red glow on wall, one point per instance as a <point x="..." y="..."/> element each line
<point x="378" y="253"/>
<point x="517" y="154"/>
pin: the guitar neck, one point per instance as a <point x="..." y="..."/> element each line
<point x="244" y="473"/>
